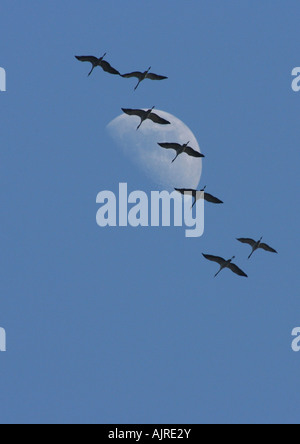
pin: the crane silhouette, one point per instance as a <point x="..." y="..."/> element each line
<point x="180" y="149"/>
<point x="256" y="245"/>
<point x="98" y="62"/>
<point x="144" y="115"/>
<point x="225" y="264"/>
<point x="199" y="195"/>
<point x="143" y="75"/>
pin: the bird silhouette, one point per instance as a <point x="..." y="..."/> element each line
<point x="98" y="62"/>
<point x="180" y="149"/>
<point x="225" y="264"/>
<point x="199" y="195"/>
<point x="143" y="75"/>
<point x="256" y="245"/>
<point x="144" y="115"/>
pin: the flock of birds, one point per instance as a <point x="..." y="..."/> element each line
<point x="180" y="149"/>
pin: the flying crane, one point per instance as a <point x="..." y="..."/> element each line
<point x="180" y="149"/>
<point x="199" y="195"/>
<point x="225" y="264"/>
<point x="144" y="115"/>
<point x="256" y="245"/>
<point x="143" y="75"/>
<point x="98" y="62"/>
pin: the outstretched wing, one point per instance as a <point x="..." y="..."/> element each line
<point x="172" y="146"/>
<point x="134" y="112"/>
<point x="108" y="68"/>
<point x="193" y="153"/>
<point x="152" y="76"/>
<point x="90" y="59"/>
<point x="267" y="248"/>
<point x="246" y="240"/>
<point x="137" y="74"/>
<point x="209" y="198"/>
<point x="157" y="119"/>
<point x="237" y="270"/>
<point x="187" y="191"/>
<point x="217" y="259"/>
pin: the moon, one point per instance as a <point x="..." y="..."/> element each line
<point x="142" y="148"/>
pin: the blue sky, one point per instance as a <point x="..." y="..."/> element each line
<point x="128" y="325"/>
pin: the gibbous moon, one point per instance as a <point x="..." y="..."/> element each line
<point x="156" y="162"/>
